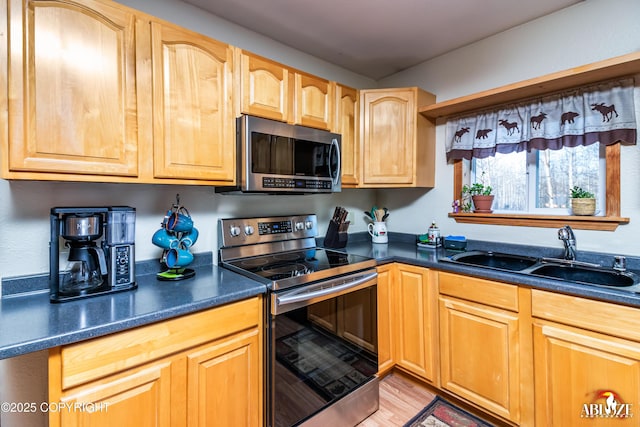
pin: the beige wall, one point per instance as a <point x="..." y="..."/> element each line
<point x="590" y="31"/>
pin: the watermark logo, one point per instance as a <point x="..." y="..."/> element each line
<point x="606" y="404"/>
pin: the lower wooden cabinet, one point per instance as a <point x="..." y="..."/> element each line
<point x="484" y="348"/>
<point x="222" y="386"/>
<point x="202" y="369"/>
<point x="407" y="320"/>
<point x="385" y="337"/>
<point x="587" y="362"/>
<point x="528" y="357"/>
<point x="414" y="320"/>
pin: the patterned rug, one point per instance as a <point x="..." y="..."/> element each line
<point x="440" y="413"/>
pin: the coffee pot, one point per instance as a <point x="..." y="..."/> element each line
<point x="86" y="262"/>
<point x="101" y="251"/>
<point x="85" y="269"/>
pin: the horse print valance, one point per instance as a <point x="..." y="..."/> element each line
<point x="604" y="113"/>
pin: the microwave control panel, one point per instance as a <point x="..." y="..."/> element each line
<point x="296" y="183"/>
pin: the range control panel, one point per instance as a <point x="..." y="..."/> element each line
<point x="246" y="231"/>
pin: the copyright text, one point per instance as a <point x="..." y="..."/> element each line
<point x="31" y="407"/>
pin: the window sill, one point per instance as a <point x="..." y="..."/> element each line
<point x="602" y="223"/>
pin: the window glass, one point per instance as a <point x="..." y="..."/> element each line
<point x="507" y="176"/>
<point x="540" y="181"/>
<point x="558" y="171"/>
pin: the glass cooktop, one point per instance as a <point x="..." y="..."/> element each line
<point x="287" y="269"/>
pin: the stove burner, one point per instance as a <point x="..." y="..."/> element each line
<point x="287" y="256"/>
<point x="284" y="271"/>
<point x="254" y="262"/>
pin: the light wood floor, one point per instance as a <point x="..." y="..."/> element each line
<point x="401" y="398"/>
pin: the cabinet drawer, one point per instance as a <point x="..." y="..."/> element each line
<point x="89" y="360"/>
<point x="487" y="292"/>
<point x="607" y="318"/>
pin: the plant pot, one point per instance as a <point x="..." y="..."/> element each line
<point x="482" y="204"/>
<point x="583" y="206"/>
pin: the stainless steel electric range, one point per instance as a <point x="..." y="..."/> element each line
<point x="321" y="339"/>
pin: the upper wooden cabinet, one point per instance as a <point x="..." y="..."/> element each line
<point x="193" y="123"/>
<point x="72" y="89"/>
<point x="398" y="144"/>
<point x="346" y="123"/>
<point x="263" y="87"/>
<point x="274" y="91"/>
<point x="101" y="92"/>
<point x="314" y="101"/>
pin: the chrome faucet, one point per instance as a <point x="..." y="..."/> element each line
<point x="569" y="239"/>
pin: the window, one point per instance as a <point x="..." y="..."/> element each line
<point x="609" y="222"/>
<point x="539" y="182"/>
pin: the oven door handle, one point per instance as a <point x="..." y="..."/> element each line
<point x="323" y="290"/>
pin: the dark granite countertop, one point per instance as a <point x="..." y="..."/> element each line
<point x="29" y="322"/>
<point x="404" y="249"/>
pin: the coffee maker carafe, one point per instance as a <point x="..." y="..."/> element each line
<point x="86" y="263"/>
<point x="101" y="251"/>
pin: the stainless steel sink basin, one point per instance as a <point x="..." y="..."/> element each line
<point x="552" y="268"/>
<point x="589" y="275"/>
<point x="495" y="260"/>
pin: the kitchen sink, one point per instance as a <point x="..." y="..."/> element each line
<point x="552" y="268"/>
<point x="590" y="275"/>
<point x="497" y="260"/>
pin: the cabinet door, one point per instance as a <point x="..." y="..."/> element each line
<point x="140" y="397"/>
<point x="389" y="126"/>
<point x="225" y="382"/>
<point x="415" y="314"/>
<point x="264" y="87"/>
<point x="313" y="102"/>
<point x="574" y="368"/>
<point x="72" y="89"/>
<point x="346" y="124"/>
<point x="385" y="330"/>
<point x="479" y="355"/>
<point x="194" y="128"/>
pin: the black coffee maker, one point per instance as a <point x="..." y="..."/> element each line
<point x="101" y="251"/>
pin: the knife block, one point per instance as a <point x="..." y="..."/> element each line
<point x="335" y="239"/>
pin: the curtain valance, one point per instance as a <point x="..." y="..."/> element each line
<point x="603" y="113"/>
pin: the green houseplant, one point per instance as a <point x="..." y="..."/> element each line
<point x="582" y="202"/>
<point x="480" y="194"/>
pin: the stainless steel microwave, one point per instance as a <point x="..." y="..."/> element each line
<point x="276" y="157"/>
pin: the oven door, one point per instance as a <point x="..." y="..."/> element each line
<point x="323" y="351"/>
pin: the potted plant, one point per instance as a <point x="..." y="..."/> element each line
<point x="481" y="196"/>
<point x="582" y="202"/>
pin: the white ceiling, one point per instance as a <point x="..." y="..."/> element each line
<point x="376" y="38"/>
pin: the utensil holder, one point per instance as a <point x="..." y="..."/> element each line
<point x="336" y="236"/>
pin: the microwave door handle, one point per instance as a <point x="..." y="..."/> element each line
<point x="333" y="290"/>
<point x="334" y="144"/>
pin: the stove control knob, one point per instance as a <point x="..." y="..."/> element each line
<point x="299" y="226"/>
<point x="248" y="230"/>
<point x="309" y="225"/>
<point x="234" y="230"/>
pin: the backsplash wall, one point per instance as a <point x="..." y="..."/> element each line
<point x="25" y="214"/>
